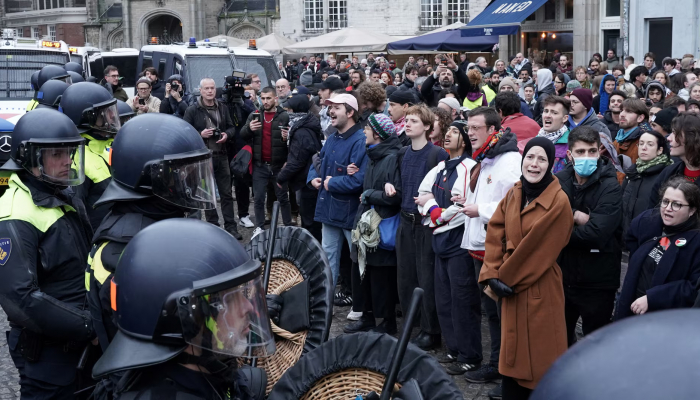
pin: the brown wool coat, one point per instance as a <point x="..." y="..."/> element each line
<point x="521" y="250"/>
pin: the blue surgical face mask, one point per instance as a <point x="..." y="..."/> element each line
<point x="585" y="166"/>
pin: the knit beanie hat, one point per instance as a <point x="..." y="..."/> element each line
<point x="401" y="97"/>
<point x="585" y="96"/>
<point x="508" y="81"/>
<point x="572" y="85"/>
<point x="664" y="117"/>
<point x="382" y="125"/>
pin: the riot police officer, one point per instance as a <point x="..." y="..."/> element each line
<point x="93" y="110"/>
<point x="45" y="242"/>
<point x="34" y="83"/>
<point x="76" y="77"/>
<point x="125" y="112"/>
<point x="73" y="66"/>
<point x="49" y="95"/>
<point x="139" y="197"/>
<point x="187" y="299"/>
<point x="53" y="72"/>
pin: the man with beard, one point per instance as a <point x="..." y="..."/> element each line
<point x="444" y="78"/>
<point x="633" y="116"/>
<point x="356" y="77"/>
<point x="611" y="118"/>
<point x="612" y="59"/>
<point x="324" y="93"/>
<point x="582" y="112"/>
<point x="491" y="87"/>
<point x="339" y="193"/>
<point x="563" y="67"/>
<point x="269" y="155"/>
<point x="282" y="88"/>
<point x="375" y="75"/>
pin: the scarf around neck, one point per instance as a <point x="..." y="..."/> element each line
<point x="553" y="136"/>
<point x="622" y="135"/>
<point x="489" y="144"/>
<point x="400" y="125"/>
<point x="663" y="159"/>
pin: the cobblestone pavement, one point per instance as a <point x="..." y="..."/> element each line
<point x="9" y="379"/>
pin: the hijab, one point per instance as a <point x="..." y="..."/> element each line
<point x="532" y="190"/>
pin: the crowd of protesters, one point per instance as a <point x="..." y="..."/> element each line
<point x="512" y="189"/>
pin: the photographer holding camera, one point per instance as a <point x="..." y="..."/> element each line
<point x="212" y="120"/>
<point x="143" y="102"/>
<point x="269" y="155"/>
<point x="176" y="99"/>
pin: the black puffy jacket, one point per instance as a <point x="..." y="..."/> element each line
<point x="635" y="193"/>
<point x="279" y="146"/>
<point x="304" y="141"/>
<point x="382" y="167"/>
<point x="593" y="256"/>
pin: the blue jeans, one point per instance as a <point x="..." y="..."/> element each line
<point x="332" y="237"/>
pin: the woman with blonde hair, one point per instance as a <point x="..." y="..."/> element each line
<point x="581" y="75"/>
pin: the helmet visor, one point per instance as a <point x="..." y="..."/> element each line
<point x="104" y="117"/>
<point x="64" y="78"/>
<point x="56" y="164"/>
<point x="186" y="182"/>
<point x="231" y="322"/>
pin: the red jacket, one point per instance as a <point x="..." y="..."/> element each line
<point x="523" y="127"/>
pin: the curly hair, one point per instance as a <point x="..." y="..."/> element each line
<point x="371" y="92"/>
<point x="474" y="77"/>
<point x="444" y="119"/>
<point x="686" y="130"/>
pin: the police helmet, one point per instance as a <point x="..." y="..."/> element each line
<point x="50" y="94"/>
<point x="125" y="112"/>
<point x="651" y="356"/>
<point x="183" y="282"/>
<point x="74" y="67"/>
<point x="76" y="77"/>
<point x="164" y="156"/>
<point x="47" y="145"/>
<point x="34" y="80"/>
<point x="53" y="72"/>
<point x="91" y="106"/>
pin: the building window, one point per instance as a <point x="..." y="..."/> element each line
<point x="36" y="34"/>
<point x="430" y="14"/>
<point x="20" y="32"/>
<point x="550" y="10"/>
<point x="612" y="8"/>
<point x="337" y="14"/>
<point x="569" y="9"/>
<point x="52" y="32"/>
<point x="49" y="4"/>
<point x="13" y="6"/>
<point x="457" y="11"/>
<point x="313" y="15"/>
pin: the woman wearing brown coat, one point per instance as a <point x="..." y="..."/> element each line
<point x="525" y="235"/>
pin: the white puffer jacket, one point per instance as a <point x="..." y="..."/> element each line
<point x="497" y="177"/>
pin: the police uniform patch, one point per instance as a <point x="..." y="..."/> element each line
<point x="5" y="250"/>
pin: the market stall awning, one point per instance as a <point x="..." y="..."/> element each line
<point x="273" y="43"/>
<point x="348" y="40"/>
<point x="442" y="41"/>
<point x="502" y="17"/>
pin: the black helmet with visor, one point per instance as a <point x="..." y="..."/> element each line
<point x="91" y="106"/>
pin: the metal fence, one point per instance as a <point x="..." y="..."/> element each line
<point x="17" y="67"/>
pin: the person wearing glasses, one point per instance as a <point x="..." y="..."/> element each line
<point x="143" y="102"/>
<point x="664" y="266"/>
<point x="113" y="84"/>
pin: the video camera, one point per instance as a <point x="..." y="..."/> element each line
<point x="234" y="88"/>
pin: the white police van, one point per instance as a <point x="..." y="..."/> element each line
<point x="19" y="59"/>
<point x="125" y="59"/>
<point x="211" y="60"/>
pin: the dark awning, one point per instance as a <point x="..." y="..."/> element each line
<point x="443" y="41"/>
<point x="502" y="17"/>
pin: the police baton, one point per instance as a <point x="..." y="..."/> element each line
<point x="272" y="237"/>
<point x="401" y="345"/>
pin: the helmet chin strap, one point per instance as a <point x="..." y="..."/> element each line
<point x="207" y="360"/>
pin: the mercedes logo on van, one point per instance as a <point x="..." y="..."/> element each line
<point x="5" y="143"/>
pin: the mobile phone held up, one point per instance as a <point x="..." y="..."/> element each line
<point x="256" y="117"/>
<point x="443" y="62"/>
<point x="142" y="102"/>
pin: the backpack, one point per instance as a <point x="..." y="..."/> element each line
<point x="242" y="164"/>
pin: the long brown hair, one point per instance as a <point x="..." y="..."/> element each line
<point x="686" y="127"/>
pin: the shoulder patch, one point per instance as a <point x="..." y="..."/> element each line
<point x="5" y="250"/>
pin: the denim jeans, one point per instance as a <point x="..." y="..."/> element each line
<point x="262" y="174"/>
<point x="332" y="245"/>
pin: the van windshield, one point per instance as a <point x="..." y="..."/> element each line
<point x="215" y="67"/>
<point x="17" y="67"/>
<point x="263" y="66"/>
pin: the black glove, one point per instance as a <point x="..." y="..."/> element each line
<point x="274" y="307"/>
<point x="500" y="288"/>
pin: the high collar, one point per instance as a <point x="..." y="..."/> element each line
<point x="349" y="132"/>
<point x="43" y="195"/>
<point x="546" y="198"/>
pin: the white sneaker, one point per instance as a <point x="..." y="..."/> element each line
<point x="354" y="315"/>
<point x="246" y="222"/>
<point x="256" y="232"/>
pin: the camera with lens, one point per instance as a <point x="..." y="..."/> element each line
<point x="234" y="88"/>
<point x="216" y="133"/>
<point x="175" y="87"/>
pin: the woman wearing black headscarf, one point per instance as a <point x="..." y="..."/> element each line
<point x="531" y="225"/>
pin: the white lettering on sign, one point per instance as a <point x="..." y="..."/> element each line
<point x="488" y="31"/>
<point x="512" y="7"/>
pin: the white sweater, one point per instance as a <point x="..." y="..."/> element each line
<point x="451" y="213"/>
<point x="497" y="177"/>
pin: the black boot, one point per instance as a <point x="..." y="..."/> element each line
<point x="427" y="341"/>
<point x="387" y="326"/>
<point x="365" y="323"/>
